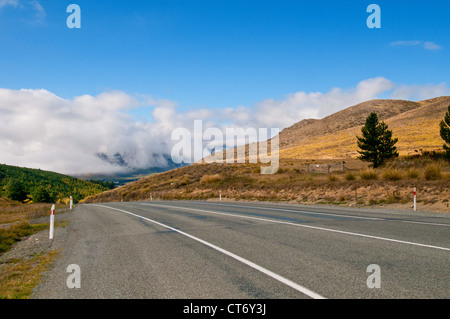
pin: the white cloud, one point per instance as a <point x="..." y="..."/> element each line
<point x="427" y="45"/>
<point x="301" y="105"/>
<point x="38" y="129"/>
<point x="39" y="12"/>
<point x="33" y="12"/>
<point x="419" y="92"/>
<point x="431" y="46"/>
<point x="405" y="43"/>
<point x="4" y="3"/>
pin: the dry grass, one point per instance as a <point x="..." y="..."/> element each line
<point x="11" y="211"/>
<point x="432" y="172"/>
<point x="368" y="174"/>
<point x="18" y="278"/>
<point x="412" y="173"/>
<point x="392" y="175"/>
<point x="209" y="179"/>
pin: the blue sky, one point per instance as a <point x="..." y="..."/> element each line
<point x="165" y="63"/>
<point x="219" y="53"/>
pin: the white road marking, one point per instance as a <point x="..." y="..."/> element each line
<point x="330" y="214"/>
<point x="265" y="271"/>
<point x="300" y="225"/>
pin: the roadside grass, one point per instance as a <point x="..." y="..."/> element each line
<point x="12" y="211"/>
<point x="392" y="175"/>
<point x="432" y="172"/>
<point x="368" y="174"/>
<point x="15" y="220"/>
<point x="19" y="277"/>
<point x="9" y="236"/>
<point x="16" y="232"/>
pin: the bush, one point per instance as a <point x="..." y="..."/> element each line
<point x="209" y="179"/>
<point x="412" y="173"/>
<point x="392" y="175"/>
<point x="350" y="177"/>
<point x="332" y="178"/>
<point x="433" y="172"/>
<point x="369" y="174"/>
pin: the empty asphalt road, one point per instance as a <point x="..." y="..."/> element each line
<point x="196" y="249"/>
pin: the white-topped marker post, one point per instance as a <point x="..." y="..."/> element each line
<point x="52" y="221"/>
<point x="71" y="202"/>
<point x="415" y="200"/>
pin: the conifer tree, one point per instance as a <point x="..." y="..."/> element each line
<point x="376" y="143"/>
<point x="445" y="132"/>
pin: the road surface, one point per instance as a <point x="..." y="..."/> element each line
<point x="234" y="250"/>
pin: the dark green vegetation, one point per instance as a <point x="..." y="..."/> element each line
<point x="445" y="132"/>
<point x="19" y="184"/>
<point x="376" y="144"/>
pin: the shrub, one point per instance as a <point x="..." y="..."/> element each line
<point x="369" y="174"/>
<point x="433" y="172"/>
<point x="392" y="175"/>
<point x="412" y="173"/>
<point x="350" y="177"/>
<point x="209" y="179"/>
<point x="332" y="178"/>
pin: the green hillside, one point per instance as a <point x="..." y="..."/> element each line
<point x="35" y="182"/>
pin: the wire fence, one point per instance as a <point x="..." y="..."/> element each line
<point x="326" y="168"/>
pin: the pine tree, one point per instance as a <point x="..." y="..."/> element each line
<point x="42" y="195"/>
<point x="376" y="143"/>
<point x="15" y="190"/>
<point x="445" y="132"/>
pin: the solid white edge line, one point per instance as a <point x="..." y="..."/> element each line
<point x="298" y="211"/>
<point x="305" y="226"/>
<point x="330" y="214"/>
<point x="265" y="271"/>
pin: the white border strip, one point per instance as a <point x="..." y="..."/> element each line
<point x="300" y="225"/>
<point x="330" y="214"/>
<point x="265" y="271"/>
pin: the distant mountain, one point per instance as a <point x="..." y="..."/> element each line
<point x="59" y="186"/>
<point x="130" y="175"/>
<point x="416" y="124"/>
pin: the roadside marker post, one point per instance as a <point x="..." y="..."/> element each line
<point x="151" y="197"/>
<point x="52" y="221"/>
<point x="415" y="200"/>
<point x="220" y="196"/>
<point x="71" y="202"/>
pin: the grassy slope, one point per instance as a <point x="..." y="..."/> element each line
<point x="416" y="128"/>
